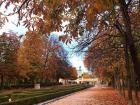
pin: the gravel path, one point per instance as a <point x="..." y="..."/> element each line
<point x="92" y="96"/>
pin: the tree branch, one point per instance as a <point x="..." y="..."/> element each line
<point x="18" y="11"/>
<point x="128" y="3"/>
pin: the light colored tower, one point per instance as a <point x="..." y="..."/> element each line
<point x="79" y="72"/>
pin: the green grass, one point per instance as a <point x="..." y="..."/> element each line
<point x="33" y="96"/>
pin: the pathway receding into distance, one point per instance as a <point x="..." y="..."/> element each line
<point x="92" y="96"/>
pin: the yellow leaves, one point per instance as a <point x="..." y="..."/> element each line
<point x="98" y="5"/>
<point x="23" y="64"/>
<point x="30" y="54"/>
<point x="104" y="5"/>
<point x="91" y="16"/>
<point x="87" y="75"/>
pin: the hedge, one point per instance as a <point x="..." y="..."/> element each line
<point x="41" y="92"/>
<point x="41" y="98"/>
<point x="4" y="99"/>
<point x="20" y="95"/>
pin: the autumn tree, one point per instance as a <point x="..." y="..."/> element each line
<point x="73" y="73"/>
<point x="42" y="57"/>
<point x="59" y="68"/>
<point x="30" y="56"/>
<point x="9" y="45"/>
<point x="83" y="16"/>
<point x="87" y="75"/>
<point x="107" y="57"/>
<point x="105" y="13"/>
<point x="62" y="70"/>
<point x="93" y="14"/>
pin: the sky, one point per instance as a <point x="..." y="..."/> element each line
<point x="11" y="26"/>
<point x="12" y="21"/>
<point x="76" y="60"/>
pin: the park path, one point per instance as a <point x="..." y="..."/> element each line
<point x="92" y="96"/>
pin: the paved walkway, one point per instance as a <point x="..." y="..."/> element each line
<point x="92" y="96"/>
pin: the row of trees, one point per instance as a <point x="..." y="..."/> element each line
<point x="113" y="53"/>
<point x="33" y="58"/>
<point x="92" y="20"/>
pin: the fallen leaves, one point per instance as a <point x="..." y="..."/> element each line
<point x="93" y="96"/>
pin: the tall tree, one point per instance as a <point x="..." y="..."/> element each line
<point x="31" y="56"/>
<point x="82" y="15"/>
<point x="9" y="45"/>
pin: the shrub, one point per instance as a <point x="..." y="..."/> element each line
<point x="41" y="98"/>
<point x="4" y="99"/>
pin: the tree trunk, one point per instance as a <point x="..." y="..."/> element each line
<point x="127" y="65"/>
<point x="123" y="84"/>
<point x="2" y="80"/>
<point x="135" y="88"/>
<point x="115" y="80"/>
<point x="129" y="39"/>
